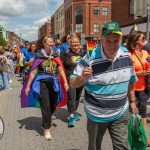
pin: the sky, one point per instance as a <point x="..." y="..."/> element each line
<point x="24" y="17"/>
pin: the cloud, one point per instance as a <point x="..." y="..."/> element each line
<point x="12" y="8"/>
<point x="20" y="7"/>
<point x="26" y="16"/>
<point x="27" y="32"/>
<point x="41" y="21"/>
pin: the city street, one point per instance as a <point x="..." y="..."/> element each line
<point x="23" y="126"/>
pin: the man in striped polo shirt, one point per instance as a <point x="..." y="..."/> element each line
<point x="108" y="78"/>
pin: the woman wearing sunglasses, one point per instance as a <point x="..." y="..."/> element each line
<point x="30" y="56"/>
<point x="44" y="84"/>
<point x="139" y="57"/>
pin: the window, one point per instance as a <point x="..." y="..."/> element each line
<point x="61" y="24"/>
<point x="96" y="10"/>
<point x="131" y="7"/>
<point x="105" y="11"/>
<point x="78" y="28"/>
<point x="69" y="14"/>
<point x="96" y="28"/>
<point x="79" y="11"/>
<point x="79" y="15"/>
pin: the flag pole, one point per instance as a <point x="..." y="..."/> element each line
<point x="88" y="54"/>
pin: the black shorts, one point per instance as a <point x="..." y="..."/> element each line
<point x="142" y="98"/>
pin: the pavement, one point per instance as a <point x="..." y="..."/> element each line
<point x="23" y="126"/>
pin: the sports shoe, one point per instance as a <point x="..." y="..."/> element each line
<point x="71" y="122"/>
<point x="47" y="134"/>
<point x="10" y="81"/>
<point x="148" y="143"/>
<point x="76" y="117"/>
<point x="9" y="88"/>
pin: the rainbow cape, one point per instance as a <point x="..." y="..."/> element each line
<point x="31" y="100"/>
<point x="90" y="47"/>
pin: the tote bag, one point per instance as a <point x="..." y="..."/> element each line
<point x="136" y="133"/>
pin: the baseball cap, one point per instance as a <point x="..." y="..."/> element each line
<point x="111" y="27"/>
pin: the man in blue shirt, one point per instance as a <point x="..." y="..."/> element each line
<point x="24" y="50"/>
<point x="65" y="43"/>
<point x="108" y="78"/>
<point x="23" y="53"/>
<point x="57" y="46"/>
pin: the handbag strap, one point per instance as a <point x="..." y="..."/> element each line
<point x="139" y="60"/>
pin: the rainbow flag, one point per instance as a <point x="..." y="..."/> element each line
<point x="90" y="47"/>
<point x="17" y="50"/>
<point x="31" y="100"/>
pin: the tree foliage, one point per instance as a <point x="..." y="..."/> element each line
<point x="2" y="40"/>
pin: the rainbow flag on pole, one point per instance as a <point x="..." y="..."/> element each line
<point x="17" y="49"/>
<point x="90" y="47"/>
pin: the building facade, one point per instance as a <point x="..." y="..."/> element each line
<point x="13" y="39"/>
<point x="86" y="17"/>
<point x="45" y="29"/>
<point x="3" y="32"/>
<point x="124" y="14"/>
<point x="53" y="25"/>
<point x="59" y="22"/>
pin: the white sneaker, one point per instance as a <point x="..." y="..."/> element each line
<point x="47" y="134"/>
<point x="10" y="81"/>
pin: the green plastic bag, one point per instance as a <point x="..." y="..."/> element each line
<point x="136" y="133"/>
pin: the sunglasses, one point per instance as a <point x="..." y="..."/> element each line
<point x="50" y="44"/>
<point x="33" y="46"/>
<point x="142" y="38"/>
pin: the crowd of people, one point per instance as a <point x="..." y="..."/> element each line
<point x="113" y="78"/>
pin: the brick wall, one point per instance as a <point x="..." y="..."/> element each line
<point x="121" y="13"/>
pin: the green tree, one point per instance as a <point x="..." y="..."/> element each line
<point x="2" y="40"/>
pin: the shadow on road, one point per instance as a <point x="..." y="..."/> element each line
<point x="61" y="114"/>
<point x="31" y="123"/>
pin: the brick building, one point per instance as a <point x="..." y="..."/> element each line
<point x="86" y="17"/>
<point x="59" y="22"/>
<point x="13" y="38"/>
<point x="53" y="25"/>
<point x="45" y="29"/>
<point x="123" y="11"/>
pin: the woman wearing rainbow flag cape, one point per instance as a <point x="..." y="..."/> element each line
<point x="43" y="84"/>
<point x="70" y="59"/>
